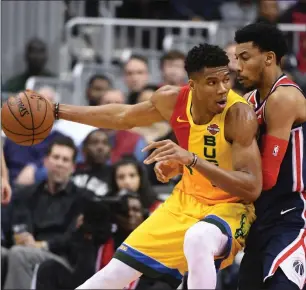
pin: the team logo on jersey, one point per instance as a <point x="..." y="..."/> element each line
<point x="213" y="129"/>
<point x="275" y="150"/>
<point x="242" y="231"/>
<point x="298" y="267"/>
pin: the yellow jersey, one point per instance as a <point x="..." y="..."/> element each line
<point x="208" y="142"/>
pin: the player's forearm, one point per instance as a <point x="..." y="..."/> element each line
<point x="107" y="116"/>
<point x="236" y="183"/>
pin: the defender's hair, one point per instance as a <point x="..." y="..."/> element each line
<point x="266" y="37"/>
<point x="205" y="55"/>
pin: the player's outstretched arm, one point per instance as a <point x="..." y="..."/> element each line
<point x="119" y="116"/>
<point x="245" y="180"/>
<point x="285" y="108"/>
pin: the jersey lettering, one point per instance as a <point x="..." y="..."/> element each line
<point x="210" y="152"/>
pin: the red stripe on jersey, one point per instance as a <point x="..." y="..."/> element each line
<point x="303" y="195"/>
<point x="179" y="120"/>
<point x="297" y="154"/>
<point x="284" y="81"/>
<point x="299" y="242"/>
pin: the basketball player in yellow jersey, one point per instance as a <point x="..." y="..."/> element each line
<point x="203" y="224"/>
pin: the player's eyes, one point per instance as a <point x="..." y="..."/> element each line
<point x="212" y="83"/>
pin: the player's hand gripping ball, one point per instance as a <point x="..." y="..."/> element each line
<point x="27" y="118"/>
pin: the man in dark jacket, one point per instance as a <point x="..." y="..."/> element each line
<point x="44" y="216"/>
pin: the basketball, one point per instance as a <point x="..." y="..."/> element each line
<point x="27" y="119"/>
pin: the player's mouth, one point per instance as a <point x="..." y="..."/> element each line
<point x="222" y="104"/>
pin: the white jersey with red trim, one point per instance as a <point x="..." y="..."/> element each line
<point x="289" y="191"/>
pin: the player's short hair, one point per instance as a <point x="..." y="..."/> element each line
<point x="205" y="55"/>
<point x="87" y="138"/>
<point x="266" y="37"/>
<point x="138" y="57"/>
<point x="63" y="141"/>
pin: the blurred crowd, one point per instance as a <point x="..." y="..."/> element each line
<point x="79" y="193"/>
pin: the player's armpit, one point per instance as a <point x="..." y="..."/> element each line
<point x="121" y="116"/>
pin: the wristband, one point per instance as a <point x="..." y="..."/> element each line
<point x="194" y="161"/>
<point x="56" y="111"/>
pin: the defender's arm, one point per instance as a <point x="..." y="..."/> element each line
<point x="284" y="107"/>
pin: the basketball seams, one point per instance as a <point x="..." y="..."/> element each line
<point x="30" y="140"/>
<point x="16" y="117"/>
<point x="42" y="122"/>
<point x="31" y="118"/>
<point x="26" y="134"/>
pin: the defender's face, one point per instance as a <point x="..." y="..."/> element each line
<point x="251" y="63"/>
<point x="212" y="86"/>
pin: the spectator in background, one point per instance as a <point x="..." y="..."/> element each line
<point x="136" y="76"/>
<point x="96" y="88"/>
<point x="112" y="96"/>
<point x="172" y="67"/>
<point x="6" y="190"/>
<point x="128" y="214"/>
<point x="122" y="141"/>
<point x="240" y="11"/>
<point x="157" y="130"/>
<point x="296" y="14"/>
<point x="128" y="174"/>
<point x="268" y="11"/>
<point x="94" y="173"/>
<point x="43" y="216"/>
<point x="36" y="57"/>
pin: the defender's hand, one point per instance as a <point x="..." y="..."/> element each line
<point x="167" y="150"/>
<point x="165" y="170"/>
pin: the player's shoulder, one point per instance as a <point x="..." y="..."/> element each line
<point x="165" y="94"/>
<point x="286" y="94"/>
<point x="241" y="123"/>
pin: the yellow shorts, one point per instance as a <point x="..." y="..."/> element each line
<point x="155" y="248"/>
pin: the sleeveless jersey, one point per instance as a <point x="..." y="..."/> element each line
<point x="208" y="142"/>
<point x="289" y="191"/>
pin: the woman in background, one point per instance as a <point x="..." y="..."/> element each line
<point x="129" y="174"/>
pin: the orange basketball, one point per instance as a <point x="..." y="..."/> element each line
<point x="27" y="119"/>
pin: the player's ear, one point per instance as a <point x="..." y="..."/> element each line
<point x="191" y="84"/>
<point x="270" y="57"/>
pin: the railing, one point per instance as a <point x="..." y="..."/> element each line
<point x="111" y="36"/>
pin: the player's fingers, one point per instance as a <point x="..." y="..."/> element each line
<point x="160" y="149"/>
<point x="154" y="144"/>
<point x="170" y="157"/>
<point x="153" y="158"/>
<point x="162" y="178"/>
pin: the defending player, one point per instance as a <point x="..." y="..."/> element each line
<point x="205" y="220"/>
<point x="275" y="251"/>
